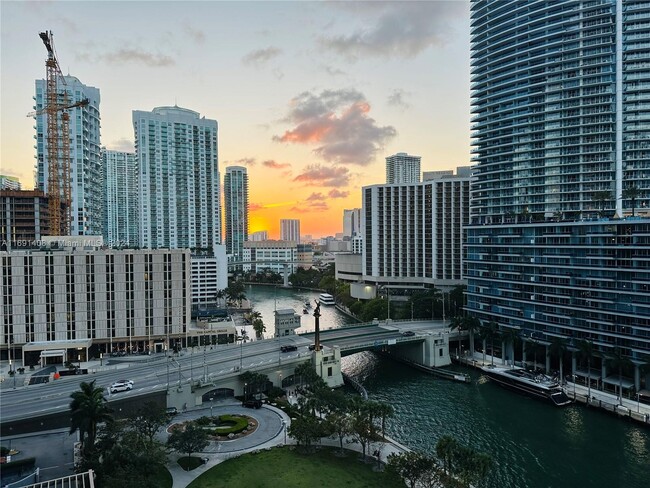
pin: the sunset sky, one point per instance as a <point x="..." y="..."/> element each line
<point x="310" y="96"/>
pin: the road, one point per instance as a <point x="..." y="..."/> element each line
<point x="156" y="373"/>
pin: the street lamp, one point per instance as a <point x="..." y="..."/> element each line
<point x="638" y="402"/>
<point x="101" y="358"/>
<point x="284" y="427"/>
<point x="14" y="372"/>
<point x="574" y="386"/>
<point x="245" y="391"/>
<point x="79" y="349"/>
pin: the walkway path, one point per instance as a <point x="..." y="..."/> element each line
<point x="269" y="434"/>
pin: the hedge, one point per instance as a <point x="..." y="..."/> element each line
<point x="240" y="424"/>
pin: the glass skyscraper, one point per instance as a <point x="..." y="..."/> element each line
<point x="559" y="242"/>
<point x="120" y="198"/>
<point x="86" y="178"/>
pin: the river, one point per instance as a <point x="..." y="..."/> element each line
<point x="533" y="444"/>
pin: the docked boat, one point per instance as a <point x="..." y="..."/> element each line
<point x="326" y="299"/>
<point x="531" y="384"/>
<point x="307" y="305"/>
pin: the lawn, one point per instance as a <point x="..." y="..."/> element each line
<point x="292" y="469"/>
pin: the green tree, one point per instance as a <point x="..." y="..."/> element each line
<point x="457" y="299"/>
<point x="191" y="439"/>
<point x="306" y="429"/>
<point x="457" y="323"/>
<point x="328" y="283"/>
<point x="445" y="448"/>
<point x="377" y="308"/>
<point x="411" y="466"/>
<point x="307" y="374"/>
<point x="364" y="430"/>
<point x="339" y="425"/>
<point x="88" y="408"/>
<point x="384" y="411"/>
<point x="148" y="420"/>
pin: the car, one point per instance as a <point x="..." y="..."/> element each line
<point x="171" y="411"/>
<point x="121" y="385"/>
<point x="312" y="347"/>
<point x="408" y="333"/>
<point x="252" y="404"/>
<point x="288" y="348"/>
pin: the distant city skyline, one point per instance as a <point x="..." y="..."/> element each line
<point x="310" y="96"/>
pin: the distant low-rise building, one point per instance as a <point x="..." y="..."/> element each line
<point x="286" y="322"/>
<point x="271" y="255"/>
<point x="24" y="219"/>
<point x="209" y="276"/>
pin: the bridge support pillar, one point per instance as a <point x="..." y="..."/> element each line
<point x="327" y="363"/>
<point x="432" y="352"/>
<point x="285" y="275"/>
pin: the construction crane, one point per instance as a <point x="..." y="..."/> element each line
<point x="58" y="141"/>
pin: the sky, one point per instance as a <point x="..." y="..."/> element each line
<point x="310" y="96"/>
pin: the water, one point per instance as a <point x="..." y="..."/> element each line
<point x="533" y="444"/>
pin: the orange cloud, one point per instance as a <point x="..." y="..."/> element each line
<point x="317" y="175"/>
<point x="338" y="194"/>
<point x="275" y="165"/>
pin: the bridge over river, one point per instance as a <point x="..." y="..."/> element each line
<point x="185" y="379"/>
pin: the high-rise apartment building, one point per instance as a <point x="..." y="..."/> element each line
<point x="121" y="211"/>
<point x="290" y="230"/>
<point x="413" y="233"/>
<point x="9" y="183"/>
<point x="178" y="167"/>
<point x="235" y="191"/>
<point x="86" y="187"/>
<point x="351" y="222"/>
<point x="402" y="168"/>
<point x="260" y="235"/>
<point x="561" y="124"/>
<point x="24" y="219"/>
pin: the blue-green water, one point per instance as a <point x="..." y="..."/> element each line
<point x="533" y="444"/>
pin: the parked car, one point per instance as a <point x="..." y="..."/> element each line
<point x="312" y="347"/>
<point x="288" y="348"/>
<point x="122" y="385"/>
<point x="171" y="411"/>
<point x="408" y="333"/>
<point x="252" y="404"/>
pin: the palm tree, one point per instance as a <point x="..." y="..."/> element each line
<point x="88" y="408"/>
<point x="472" y="325"/>
<point x="492" y="333"/>
<point x="601" y="197"/>
<point x="557" y="348"/>
<point x="632" y="193"/>
<point x="510" y="336"/>
<point x="384" y="410"/>
<point x="220" y="295"/>
<point x="483" y="337"/>
<point x="259" y="327"/>
<point x="457" y="323"/>
<point x="586" y="351"/>
<point x="618" y="361"/>
<point x="532" y="347"/>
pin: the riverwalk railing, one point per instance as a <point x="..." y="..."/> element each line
<point x="356" y="385"/>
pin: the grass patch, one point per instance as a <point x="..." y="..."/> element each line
<point x="188" y="464"/>
<point x="293" y="469"/>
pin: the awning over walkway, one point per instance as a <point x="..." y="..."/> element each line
<point x="586" y="374"/>
<point x="50" y="345"/>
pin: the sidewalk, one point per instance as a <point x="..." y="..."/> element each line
<point x="626" y="407"/>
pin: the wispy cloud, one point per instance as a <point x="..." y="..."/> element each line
<point x="242" y="162"/>
<point x="398" y="99"/>
<point x="252" y="207"/>
<point x="329" y="176"/>
<point x="123" y="144"/>
<point x="315" y="197"/>
<point x="261" y="56"/>
<point x="128" y="55"/>
<point x="308" y="207"/>
<point x="337" y="121"/>
<point x="330" y="70"/>
<point x="402" y="30"/>
<point x="270" y="163"/>
<point x="338" y="194"/>
<point x="197" y="35"/>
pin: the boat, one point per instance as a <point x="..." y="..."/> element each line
<point x="326" y="299"/>
<point x="304" y="311"/>
<point x="531" y="384"/>
<point x="307" y="305"/>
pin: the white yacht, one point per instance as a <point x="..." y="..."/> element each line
<point x="326" y="299"/>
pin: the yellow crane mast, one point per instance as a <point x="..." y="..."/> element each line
<point x="58" y="141"/>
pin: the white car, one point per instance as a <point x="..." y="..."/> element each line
<point x="122" y="385"/>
